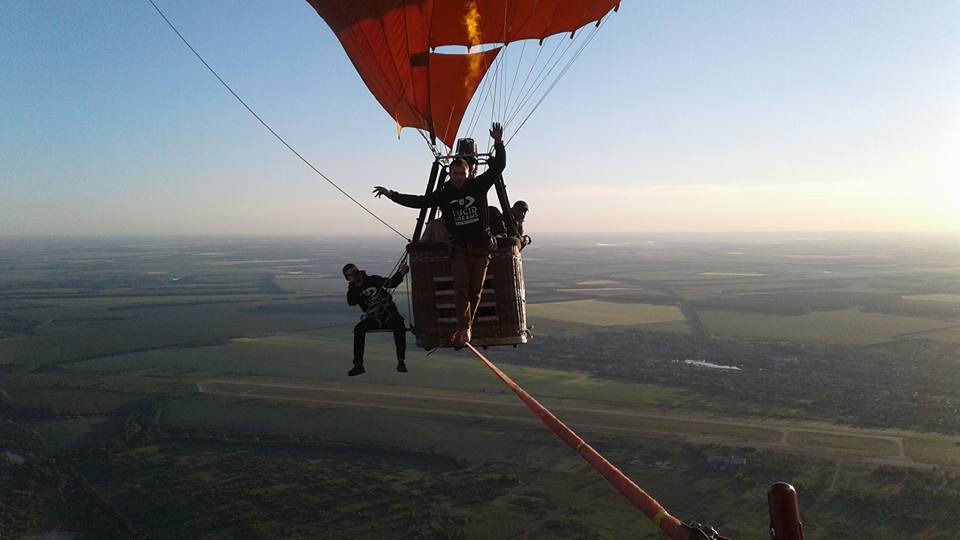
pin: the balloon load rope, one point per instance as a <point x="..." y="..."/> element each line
<point x="671" y="527"/>
<point x="267" y="126"/>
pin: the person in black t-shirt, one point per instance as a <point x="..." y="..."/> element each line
<point x="463" y="201"/>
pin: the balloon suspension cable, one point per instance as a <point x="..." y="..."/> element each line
<point x="671" y="527"/>
<point x="493" y="102"/>
<point x="483" y="92"/>
<point x="516" y="75"/>
<point x="431" y="146"/>
<point x="523" y="85"/>
<point x="538" y="81"/>
<point x="267" y="126"/>
<point x="396" y="266"/>
<point x="509" y="100"/>
<point x="392" y="273"/>
<point x="563" y="72"/>
<point x="411" y="323"/>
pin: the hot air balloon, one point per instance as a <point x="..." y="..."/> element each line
<point x="425" y="62"/>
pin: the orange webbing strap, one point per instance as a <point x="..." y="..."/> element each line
<point x="671" y="526"/>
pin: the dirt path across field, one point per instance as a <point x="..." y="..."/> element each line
<point x="605" y="420"/>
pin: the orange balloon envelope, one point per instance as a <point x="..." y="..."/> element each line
<point x="392" y="42"/>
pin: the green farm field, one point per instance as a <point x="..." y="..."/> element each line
<point x="947" y="335"/>
<point x="425" y="401"/>
<point x="945" y="298"/>
<point x="325" y="356"/>
<point x="934" y="449"/>
<point x="849" y="326"/>
<point x="599" y="313"/>
<point x="308" y="369"/>
<point x="857" y="445"/>
<point x="276" y="395"/>
<point x="213" y="374"/>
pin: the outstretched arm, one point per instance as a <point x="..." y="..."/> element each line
<point x="410" y="201"/>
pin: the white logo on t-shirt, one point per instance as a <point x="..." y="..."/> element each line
<point x="467" y="213"/>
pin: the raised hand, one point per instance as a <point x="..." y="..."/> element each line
<point x="496" y="131"/>
<point x="380" y="191"/>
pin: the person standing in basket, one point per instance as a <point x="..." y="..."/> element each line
<point x="463" y="201"/>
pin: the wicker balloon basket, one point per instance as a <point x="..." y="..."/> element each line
<point x="501" y="318"/>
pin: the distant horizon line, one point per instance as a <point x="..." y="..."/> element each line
<point x="387" y="236"/>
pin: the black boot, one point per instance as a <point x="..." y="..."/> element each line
<point x="357" y="370"/>
<point x="401" y="366"/>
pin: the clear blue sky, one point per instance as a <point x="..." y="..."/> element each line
<point x="679" y="116"/>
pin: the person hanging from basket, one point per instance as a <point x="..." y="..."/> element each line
<point x="379" y="312"/>
<point x="463" y="201"/>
